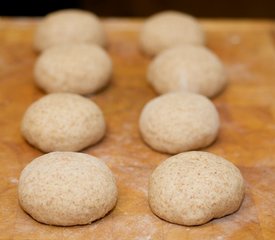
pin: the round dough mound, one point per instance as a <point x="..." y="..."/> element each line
<point x="187" y="68"/>
<point x="63" y="122"/>
<point x="168" y="29"/>
<point x="177" y="122"/>
<point x="67" y="188"/>
<point x="75" y="68"/>
<point x="194" y="187"/>
<point x="69" y="26"/>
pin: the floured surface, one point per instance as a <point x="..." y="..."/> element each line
<point x="247" y="136"/>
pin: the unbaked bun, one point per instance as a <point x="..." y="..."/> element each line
<point x="168" y="29"/>
<point x="75" y="68"/>
<point x="67" y="188"/>
<point x="69" y="26"/>
<point x="63" y="122"/>
<point x="194" y="187"/>
<point x="177" y="122"/>
<point x="187" y="68"/>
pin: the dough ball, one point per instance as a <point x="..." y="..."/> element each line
<point x="75" y="68"/>
<point x="63" y="122"/>
<point x="69" y="26"/>
<point x="67" y="188"/>
<point x="187" y="68"/>
<point x="194" y="187"/>
<point x="177" y="122"/>
<point x="168" y="29"/>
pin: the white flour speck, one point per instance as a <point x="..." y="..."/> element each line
<point x="14" y="181"/>
<point x="240" y="70"/>
<point x="143" y="238"/>
<point x="235" y="39"/>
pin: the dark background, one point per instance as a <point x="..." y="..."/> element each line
<point x="139" y="8"/>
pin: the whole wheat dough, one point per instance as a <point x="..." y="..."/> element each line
<point x="63" y="122"/>
<point x="187" y="68"/>
<point x="75" y="68"/>
<point x="69" y="26"/>
<point x="67" y="188"/>
<point x="168" y="29"/>
<point x="194" y="187"/>
<point x="177" y="122"/>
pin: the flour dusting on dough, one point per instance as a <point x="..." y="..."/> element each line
<point x="183" y="81"/>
